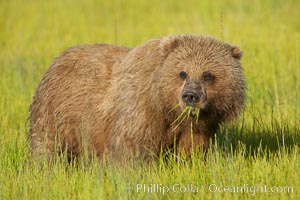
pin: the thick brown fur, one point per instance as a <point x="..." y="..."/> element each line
<point x="116" y="101"/>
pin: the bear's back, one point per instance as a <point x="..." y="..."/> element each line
<point x="72" y="87"/>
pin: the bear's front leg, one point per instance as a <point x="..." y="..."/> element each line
<point x="135" y="137"/>
<point x="189" y="142"/>
<point x="195" y="139"/>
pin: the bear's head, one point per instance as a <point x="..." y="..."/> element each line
<point x="204" y="73"/>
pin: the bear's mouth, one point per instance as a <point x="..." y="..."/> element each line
<point x="190" y="112"/>
<point x="193" y="111"/>
<point x="187" y="112"/>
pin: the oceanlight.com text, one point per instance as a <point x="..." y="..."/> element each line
<point x="251" y="189"/>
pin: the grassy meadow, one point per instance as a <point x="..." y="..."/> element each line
<point x="259" y="153"/>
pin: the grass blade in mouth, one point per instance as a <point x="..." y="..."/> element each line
<point x="196" y="112"/>
<point x="180" y="122"/>
<point x="173" y="108"/>
<point x="186" y="113"/>
<point x="181" y="115"/>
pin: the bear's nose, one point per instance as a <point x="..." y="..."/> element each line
<point x="190" y="97"/>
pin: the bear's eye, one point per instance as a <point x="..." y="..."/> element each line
<point x="182" y="75"/>
<point x="208" y="77"/>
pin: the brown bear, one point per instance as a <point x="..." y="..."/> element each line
<point x="123" y="104"/>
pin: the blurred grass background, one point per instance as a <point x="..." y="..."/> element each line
<point x="262" y="147"/>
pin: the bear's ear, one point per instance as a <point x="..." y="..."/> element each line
<point x="168" y="44"/>
<point x="236" y="52"/>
